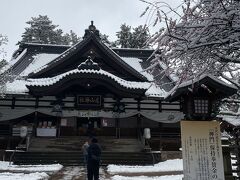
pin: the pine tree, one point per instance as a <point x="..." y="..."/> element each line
<point x="71" y="38"/>
<point x="57" y="37"/>
<point x="106" y="41"/>
<point x="124" y="36"/>
<point x="132" y="38"/>
<point x="140" y="36"/>
<point x="42" y="30"/>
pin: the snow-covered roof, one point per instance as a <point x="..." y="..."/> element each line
<point x="227" y="89"/>
<point x="52" y="80"/>
<point x="155" y="91"/>
<point x="19" y="86"/>
<point x="32" y="62"/>
<point x="172" y="76"/>
<point x="136" y="64"/>
<point x="32" y="58"/>
<point x="14" y="60"/>
<point x="57" y="58"/>
<point x="38" y="61"/>
<point x="234" y="120"/>
<point x="187" y="83"/>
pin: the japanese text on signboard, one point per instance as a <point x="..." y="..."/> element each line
<point x="202" y="153"/>
<point x="89" y="101"/>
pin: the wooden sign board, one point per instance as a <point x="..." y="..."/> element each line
<point x="202" y="150"/>
<point x="89" y="101"/>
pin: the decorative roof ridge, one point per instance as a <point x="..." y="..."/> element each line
<point x="52" y="80"/>
<point x="88" y="64"/>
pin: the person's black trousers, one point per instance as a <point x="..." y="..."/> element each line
<point x="93" y="171"/>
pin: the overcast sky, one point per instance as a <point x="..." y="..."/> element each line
<point x="74" y="15"/>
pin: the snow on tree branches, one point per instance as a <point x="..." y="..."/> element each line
<point x="3" y="41"/>
<point x="203" y="37"/>
<point x="4" y="75"/>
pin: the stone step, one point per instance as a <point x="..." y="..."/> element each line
<point x="75" y="144"/>
<point x="76" y="158"/>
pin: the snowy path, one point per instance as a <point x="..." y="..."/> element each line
<point x="76" y="173"/>
<point x="168" y="170"/>
<point x="79" y="173"/>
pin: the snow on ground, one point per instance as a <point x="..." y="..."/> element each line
<point x="22" y="176"/>
<point x="4" y="166"/>
<point x="169" y="165"/>
<point x="173" y="177"/>
<point x="39" y="172"/>
<point x="27" y="172"/>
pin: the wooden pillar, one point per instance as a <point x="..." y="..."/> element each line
<point x="117" y="124"/>
<point x="139" y="125"/>
<point x="75" y="126"/>
<point x="13" y="103"/>
<point x="58" y="126"/>
<point x="35" y="123"/>
<point x="9" y="138"/>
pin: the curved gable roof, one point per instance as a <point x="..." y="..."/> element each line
<point x="63" y="81"/>
<point x="43" y="70"/>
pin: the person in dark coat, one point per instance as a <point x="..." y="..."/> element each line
<point x="94" y="154"/>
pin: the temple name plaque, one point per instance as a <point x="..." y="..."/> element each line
<point x="89" y="101"/>
<point x="201" y="150"/>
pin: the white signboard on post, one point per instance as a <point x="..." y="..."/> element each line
<point x="202" y="151"/>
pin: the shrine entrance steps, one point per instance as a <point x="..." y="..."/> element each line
<point x="67" y="151"/>
<point x="74" y="143"/>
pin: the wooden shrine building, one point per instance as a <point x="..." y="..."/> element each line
<point x="62" y="91"/>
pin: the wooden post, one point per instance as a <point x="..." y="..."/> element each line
<point x="35" y="123"/>
<point x="139" y="124"/>
<point x="59" y="126"/>
<point x="117" y="128"/>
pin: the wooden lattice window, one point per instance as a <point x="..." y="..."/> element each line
<point x="201" y="106"/>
